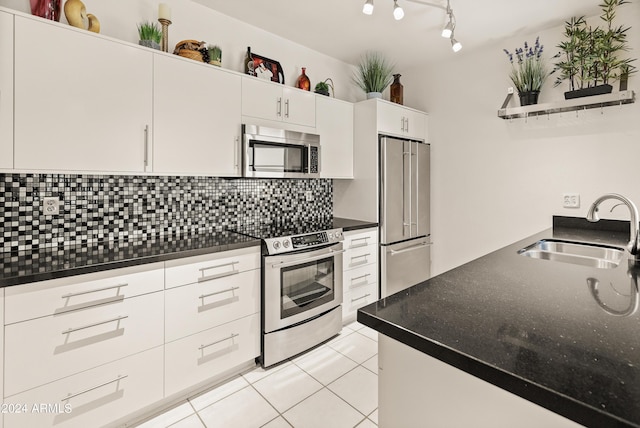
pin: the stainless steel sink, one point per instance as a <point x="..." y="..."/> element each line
<point x="578" y="253"/>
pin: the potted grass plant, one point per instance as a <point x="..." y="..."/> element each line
<point x="528" y="71"/>
<point x="150" y="34"/>
<point x="590" y="59"/>
<point x="373" y="74"/>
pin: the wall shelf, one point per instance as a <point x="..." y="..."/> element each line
<point x="596" y="101"/>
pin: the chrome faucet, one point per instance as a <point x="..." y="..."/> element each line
<point x="634" y="239"/>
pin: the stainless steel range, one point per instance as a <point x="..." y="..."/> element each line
<point x="301" y="287"/>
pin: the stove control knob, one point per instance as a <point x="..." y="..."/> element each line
<point x="338" y="235"/>
<point x="286" y="243"/>
<point x="330" y="235"/>
<point x="276" y="245"/>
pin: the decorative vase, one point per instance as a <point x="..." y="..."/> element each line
<point x="587" y="92"/>
<point x="397" y="90"/>
<point x="48" y="9"/>
<point x="528" y="98"/>
<point x="374" y="95"/>
<point x="303" y="81"/>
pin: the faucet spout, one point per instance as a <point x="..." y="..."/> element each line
<point x="634" y="237"/>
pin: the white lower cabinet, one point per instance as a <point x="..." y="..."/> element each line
<point x="360" y="276"/>
<point x="49" y="348"/>
<point x="93" y="397"/>
<point x="195" y="359"/>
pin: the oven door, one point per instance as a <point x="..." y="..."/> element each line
<point x="299" y="286"/>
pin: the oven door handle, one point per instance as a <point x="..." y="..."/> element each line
<point x="331" y="253"/>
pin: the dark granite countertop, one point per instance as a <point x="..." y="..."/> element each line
<point x="563" y="336"/>
<point x="46" y="263"/>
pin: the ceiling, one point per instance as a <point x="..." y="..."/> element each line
<point x="338" y="28"/>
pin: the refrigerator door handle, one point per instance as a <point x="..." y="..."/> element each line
<point x="408" y="249"/>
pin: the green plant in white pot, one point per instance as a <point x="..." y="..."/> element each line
<point x="373" y="74"/>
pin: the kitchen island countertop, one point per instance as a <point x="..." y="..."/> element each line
<point x="564" y="336"/>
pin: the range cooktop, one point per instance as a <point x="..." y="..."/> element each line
<point x="293" y="236"/>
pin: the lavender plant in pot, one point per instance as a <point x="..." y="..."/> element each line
<point x="528" y="71"/>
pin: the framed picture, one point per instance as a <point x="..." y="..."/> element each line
<point x="263" y="67"/>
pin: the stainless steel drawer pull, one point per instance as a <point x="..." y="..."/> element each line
<point x="360" y="256"/>
<point x="219" y="275"/>
<point x="218" y="292"/>
<point x="233" y="335"/>
<point x="97" y="290"/>
<point x="71" y="330"/>
<point x="146" y="145"/>
<point x="361" y="297"/>
<point x="364" y="238"/>
<point x="118" y="379"/>
<point x="360" y="277"/>
<point x="412" y="248"/>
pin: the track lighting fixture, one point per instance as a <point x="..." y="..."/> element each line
<point x="367" y="9"/>
<point x="398" y="14"/>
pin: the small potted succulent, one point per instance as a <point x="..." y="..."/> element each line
<point x="322" y="88"/>
<point x="150" y="34"/>
<point x="528" y="71"/>
<point x="215" y="55"/>
<point x="373" y="74"/>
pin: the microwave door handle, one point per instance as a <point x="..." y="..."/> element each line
<point x="308" y="158"/>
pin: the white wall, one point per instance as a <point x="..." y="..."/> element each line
<point x="496" y="181"/>
<point x="118" y="19"/>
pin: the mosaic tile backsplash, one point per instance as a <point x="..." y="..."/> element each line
<point x="95" y="208"/>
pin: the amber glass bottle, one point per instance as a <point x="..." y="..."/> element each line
<point x="303" y="81"/>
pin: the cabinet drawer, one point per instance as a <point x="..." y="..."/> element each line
<point x="211" y="266"/>
<point x="198" y="307"/>
<point x="28" y="301"/>
<point x="98" y="396"/>
<point x="196" y="358"/>
<point x="360" y="256"/>
<point x="45" y="349"/>
<point x="360" y="239"/>
<point x="358" y="298"/>
<point x="360" y="277"/>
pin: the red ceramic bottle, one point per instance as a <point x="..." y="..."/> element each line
<point x="303" y="81"/>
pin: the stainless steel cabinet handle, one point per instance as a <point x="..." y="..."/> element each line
<point x="412" y="248"/>
<point x="218" y="275"/>
<point x="233" y="335"/>
<point x="146" y="145"/>
<point x="236" y="152"/>
<point x="364" y="238"/>
<point x="279" y="107"/>
<point x="402" y="123"/>
<point x="70" y="396"/>
<point x="307" y="259"/>
<point x="361" y="297"/>
<point x="71" y="330"/>
<point x="97" y="290"/>
<point x="407" y="128"/>
<point x="360" y="256"/>
<point x="286" y="108"/>
<point x="218" y="292"/>
<point x="360" y="277"/>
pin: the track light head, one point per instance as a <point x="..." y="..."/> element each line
<point x="447" y="31"/>
<point x="367" y="9"/>
<point x="398" y="13"/>
<point x="455" y="45"/>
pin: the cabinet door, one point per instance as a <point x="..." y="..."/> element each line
<point x="82" y="102"/>
<point x="6" y="90"/>
<point x="262" y="99"/>
<point x="334" y="123"/>
<point x="416" y="124"/>
<point x="196" y="126"/>
<point x="391" y="119"/>
<point x="299" y="107"/>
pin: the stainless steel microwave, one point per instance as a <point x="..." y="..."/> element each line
<point x="279" y="153"/>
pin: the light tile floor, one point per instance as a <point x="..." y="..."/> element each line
<point x="334" y="385"/>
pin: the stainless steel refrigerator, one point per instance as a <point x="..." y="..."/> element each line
<point x="405" y="237"/>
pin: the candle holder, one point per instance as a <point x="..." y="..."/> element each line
<point x="165" y="33"/>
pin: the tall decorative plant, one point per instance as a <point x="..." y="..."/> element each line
<point x="591" y="57"/>
<point x="528" y="71"/>
<point x="373" y="73"/>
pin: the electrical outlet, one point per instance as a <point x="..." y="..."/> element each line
<point x="51" y="205"/>
<point x="308" y="195"/>
<point x="571" y="200"/>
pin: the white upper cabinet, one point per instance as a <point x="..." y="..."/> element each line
<point x="395" y="119"/>
<point x="196" y="110"/>
<point x="275" y="102"/>
<point x="334" y="123"/>
<point x="6" y="91"/>
<point x="82" y="102"/>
